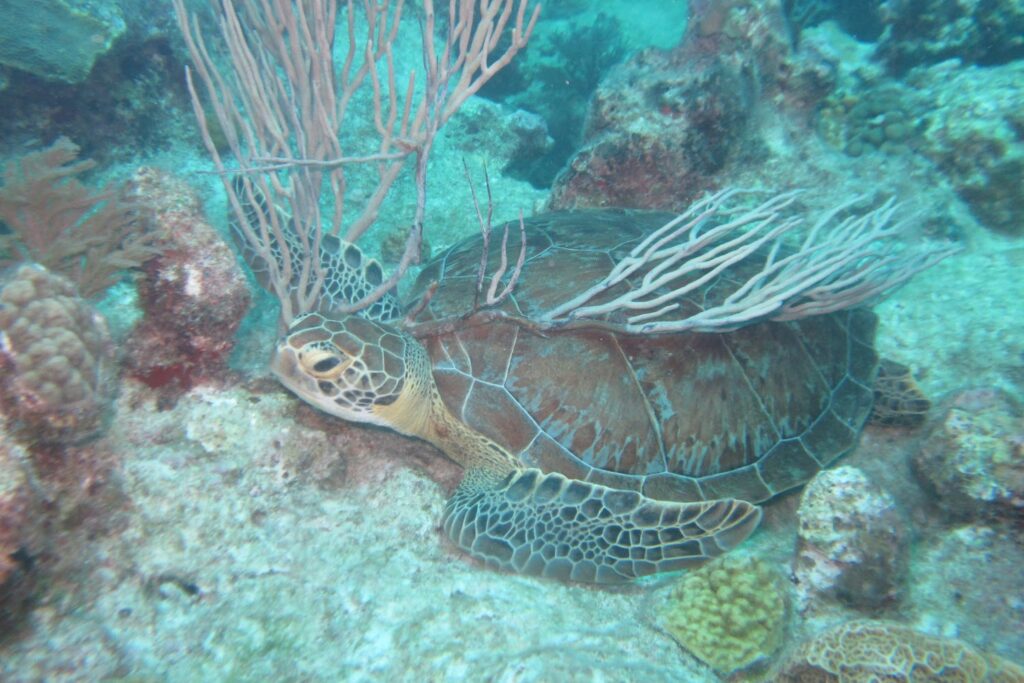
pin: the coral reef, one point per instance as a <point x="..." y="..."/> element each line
<point x="968" y="121"/>
<point x="55" y="498"/>
<point x="863" y="20"/>
<point x="929" y="31"/>
<point x="729" y="613"/>
<point x="663" y="125"/>
<point x="973" y="133"/>
<point x="311" y="516"/>
<point x="133" y="101"/>
<point x="852" y="544"/>
<point x="58" y="40"/>
<point x="582" y="55"/>
<point x="973" y="458"/>
<point x="515" y="138"/>
<point x="105" y="73"/>
<point x="865" y="651"/>
<point x="57" y="359"/>
<point x="21" y="532"/>
<point x="569" y="60"/>
<point x="875" y="117"/>
<point x="194" y="294"/>
<point x="88" y="237"/>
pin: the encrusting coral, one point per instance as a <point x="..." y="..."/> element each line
<point x="194" y="293"/>
<point x="56" y="358"/>
<point x="729" y="613"/>
<point x="22" y="532"/>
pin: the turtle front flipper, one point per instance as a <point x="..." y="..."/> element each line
<point x="551" y="526"/>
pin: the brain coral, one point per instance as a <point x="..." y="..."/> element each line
<point x="729" y="613"/>
<point x="866" y="650"/>
<point x="56" y="358"/>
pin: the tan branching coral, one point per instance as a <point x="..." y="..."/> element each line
<point x="56" y="358"/>
<point x="867" y="650"/>
<point x="89" y="237"/>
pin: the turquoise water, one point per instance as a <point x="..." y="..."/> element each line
<point x="184" y="498"/>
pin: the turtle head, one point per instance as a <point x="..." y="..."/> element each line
<point x="350" y="367"/>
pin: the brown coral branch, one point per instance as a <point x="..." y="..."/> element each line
<point x="282" y="106"/>
<point x="493" y="297"/>
<point x="90" y="237"/>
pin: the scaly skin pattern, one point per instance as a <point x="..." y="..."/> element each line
<point x="509" y="516"/>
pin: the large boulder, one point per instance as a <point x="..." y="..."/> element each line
<point x="974" y="31"/>
<point x="973" y="458"/>
<point x="58" y="40"/>
<point x="853" y="544"/>
<point x="665" y="126"/>
<point x="194" y="294"/>
<point x="974" y="132"/>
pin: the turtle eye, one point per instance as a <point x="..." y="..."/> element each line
<point x="326" y="364"/>
<point x="323" y="364"/>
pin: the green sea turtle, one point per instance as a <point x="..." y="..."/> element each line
<point x="590" y="455"/>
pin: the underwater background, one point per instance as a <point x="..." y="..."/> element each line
<point x="169" y="512"/>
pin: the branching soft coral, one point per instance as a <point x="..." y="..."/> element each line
<point x="58" y="222"/>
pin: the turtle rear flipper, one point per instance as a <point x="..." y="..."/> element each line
<point x="551" y="526"/>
